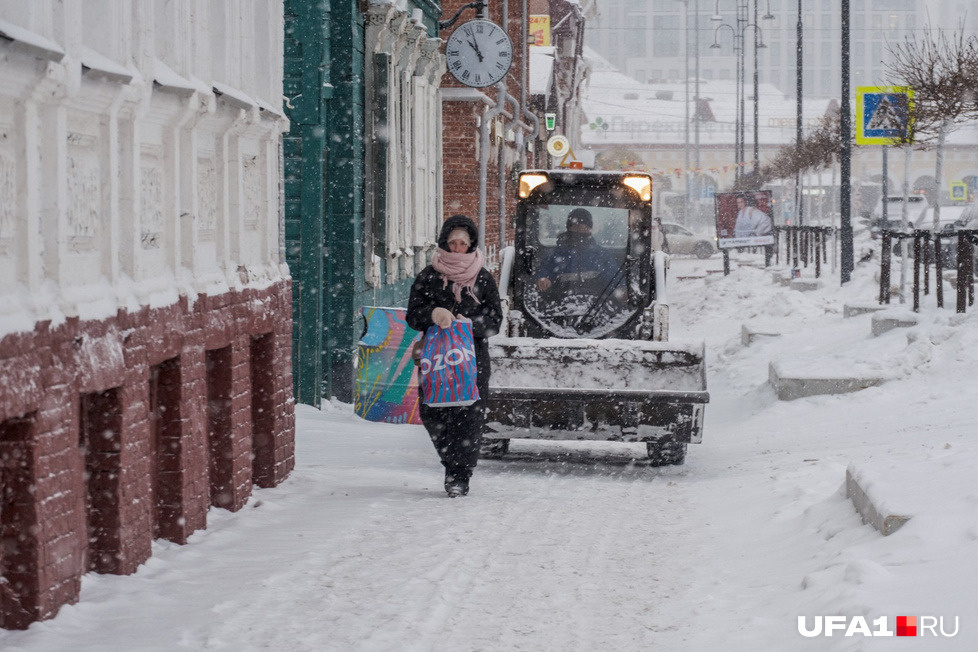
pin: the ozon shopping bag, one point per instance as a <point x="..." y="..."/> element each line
<point x="448" y="368"/>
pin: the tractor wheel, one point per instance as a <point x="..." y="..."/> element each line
<point x="666" y="452"/>
<point x="703" y="250"/>
<point x="492" y="448"/>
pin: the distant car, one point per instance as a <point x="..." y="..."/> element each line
<point x="954" y="217"/>
<point x="968" y="219"/>
<point x="894" y="212"/>
<point x="894" y="206"/>
<point x="680" y="240"/>
<point x="951" y="216"/>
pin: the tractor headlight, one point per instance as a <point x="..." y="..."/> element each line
<point x="641" y="185"/>
<point x="530" y="181"/>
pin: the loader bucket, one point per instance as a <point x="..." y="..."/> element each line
<point x="584" y="389"/>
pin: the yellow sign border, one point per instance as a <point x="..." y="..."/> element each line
<point x="957" y="183"/>
<point x="862" y="91"/>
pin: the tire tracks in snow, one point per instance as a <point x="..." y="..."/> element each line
<point x="532" y="555"/>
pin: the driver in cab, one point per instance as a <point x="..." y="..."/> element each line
<point x="577" y="260"/>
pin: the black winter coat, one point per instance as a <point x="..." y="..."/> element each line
<point x="428" y="293"/>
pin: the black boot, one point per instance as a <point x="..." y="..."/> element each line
<point x="457" y="481"/>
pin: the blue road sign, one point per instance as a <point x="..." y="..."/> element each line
<point x="883" y="114"/>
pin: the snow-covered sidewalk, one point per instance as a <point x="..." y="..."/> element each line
<point x="578" y="547"/>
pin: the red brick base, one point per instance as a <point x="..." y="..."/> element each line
<point x="116" y="432"/>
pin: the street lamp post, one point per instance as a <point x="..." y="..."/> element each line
<point x="689" y="197"/>
<point x="737" y="83"/>
<point x="757" y="122"/>
<point x="743" y="24"/>
<point x="692" y="190"/>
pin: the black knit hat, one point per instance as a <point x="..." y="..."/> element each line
<point x="580" y="216"/>
<point x="458" y="222"/>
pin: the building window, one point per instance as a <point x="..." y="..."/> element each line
<point x="667" y="40"/>
<point x="635" y="42"/>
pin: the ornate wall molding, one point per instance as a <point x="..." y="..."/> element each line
<point x="401" y="102"/>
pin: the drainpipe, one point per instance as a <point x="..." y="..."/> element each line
<point x="487" y="118"/>
<point x="515" y="124"/>
<point x="501" y="158"/>
<point x="501" y="181"/>
<point x="502" y="96"/>
<point x="578" y="53"/>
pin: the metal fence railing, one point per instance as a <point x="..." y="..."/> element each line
<point x="928" y="249"/>
<point x="802" y="244"/>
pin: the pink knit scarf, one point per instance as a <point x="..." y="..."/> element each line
<point x="460" y="269"/>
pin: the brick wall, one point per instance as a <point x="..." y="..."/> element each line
<point x="460" y="136"/>
<point x="82" y="454"/>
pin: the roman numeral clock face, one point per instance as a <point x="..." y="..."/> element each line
<point x="479" y="53"/>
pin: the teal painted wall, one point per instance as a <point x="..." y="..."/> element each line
<point x="305" y="86"/>
<point x="344" y="229"/>
<point x="324" y="168"/>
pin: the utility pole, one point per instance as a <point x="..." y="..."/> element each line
<point x="697" y="180"/>
<point x="799" y="200"/>
<point x="845" y="127"/>
<point x="757" y="152"/>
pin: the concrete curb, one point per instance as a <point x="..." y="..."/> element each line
<point x="887" y="321"/>
<point x="789" y="388"/>
<point x="874" y="511"/>
<point x="853" y="309"/>
<point x="750" y="333"/>
<point x="805" y="284"/>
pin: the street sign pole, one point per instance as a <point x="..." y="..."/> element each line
<point x="886" y="190"/>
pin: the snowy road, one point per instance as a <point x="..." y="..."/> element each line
<point x="578" y="547"/>
<point x="531" y="552"/>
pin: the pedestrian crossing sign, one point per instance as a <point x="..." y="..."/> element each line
<point x="883" y="115"/>
<point x="958" y="191"/>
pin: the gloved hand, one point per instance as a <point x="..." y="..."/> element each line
<point x="442" y="317"/>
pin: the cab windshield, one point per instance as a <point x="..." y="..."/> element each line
<point x="584" y="277"/>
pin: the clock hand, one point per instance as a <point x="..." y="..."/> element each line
<point x="475" y="46"/>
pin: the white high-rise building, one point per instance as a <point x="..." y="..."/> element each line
<point x="644" y="38"/>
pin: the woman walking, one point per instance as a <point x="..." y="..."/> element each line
<point x="454" y="286"/>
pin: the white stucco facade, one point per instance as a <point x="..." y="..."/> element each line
<point x="139" y="153"/>
<point x="403" y="69"/>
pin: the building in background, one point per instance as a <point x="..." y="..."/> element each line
<point x="146" y="323"/>
<point x="632" y="125"/>
<point x="645" y="39"/>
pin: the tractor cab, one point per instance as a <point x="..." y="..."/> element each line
<point x="584" y="269"/>
<point x="583" y="264"/>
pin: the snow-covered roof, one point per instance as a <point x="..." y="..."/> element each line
<point x="541" y="69"/>
<point x="621" y="110"/>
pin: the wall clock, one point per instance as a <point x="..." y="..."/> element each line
<point x="479" y="53"/>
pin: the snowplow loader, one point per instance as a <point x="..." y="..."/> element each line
<point x="585" y="353"/>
